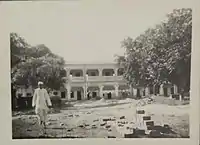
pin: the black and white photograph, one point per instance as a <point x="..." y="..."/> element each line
<point x="100" y="69"/>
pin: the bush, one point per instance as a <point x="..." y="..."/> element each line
<point x="98" y="98"/>
<point x="56" y="101"/>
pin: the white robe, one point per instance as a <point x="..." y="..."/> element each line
<point x="41" y="101"/>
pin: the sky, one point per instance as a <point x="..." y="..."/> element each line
<point x="87" y="30"/>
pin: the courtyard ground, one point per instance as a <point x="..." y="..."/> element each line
<point x="102" y="119"/>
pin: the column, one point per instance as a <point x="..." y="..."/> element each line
<point x="169" y="91"/>
<point x="141" y="91"/>
<point x="131" y="90"/>
<point x="68" y="92"/>
<point x="180" y="97"/>
<point x="134" y="92"/>
<point x="75" y="95"/>
<point x="101" y="91"/>
<point x="175" y="89"/>
<point x="161" y="91"/>
<point x="116" y="71"/>
<point x="68" y="72"/>
<point x="84" y="72"/>
<point x="85" y="92"/>
<point x="116" y="90"/>
<point x="100" y="71"/>
<point x="154" y="89"/>
<point x="147" y="92"/>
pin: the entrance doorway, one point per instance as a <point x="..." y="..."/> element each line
<point x="151" y="90"/>
<point x="109" y="95"/>
<point x="63" y="94"/>
<point x="165" y="92"/>
<point x="78" y="95"/>
<point x="156" y="89"/>
<point x="94" y="94"/>
<point x="172" y="90"/>
<point x="138" y="94"/>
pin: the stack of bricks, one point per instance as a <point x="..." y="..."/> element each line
<point x="144" y="121"/>
<point x="142" y="126"/>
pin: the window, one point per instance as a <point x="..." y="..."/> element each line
<point x="78" y="74"/>
<point x="120" y="72"/>
<point x="72" y="94"/>
<point x="62" y="94"/>
<point x="107" y="74"/>
<point x="93" y="74"/>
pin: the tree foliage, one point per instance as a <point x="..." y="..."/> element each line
<point x="161" y="54"/>
<point x="35" y="63"/>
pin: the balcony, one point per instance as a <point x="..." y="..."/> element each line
<point x="77" y="79"/>
<point x="95" y="79"/>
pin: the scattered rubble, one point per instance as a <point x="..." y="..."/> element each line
<point x="122" y="117"/>
<point x="103" y="124"/>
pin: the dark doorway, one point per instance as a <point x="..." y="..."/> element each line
<point x="88" y="96"/>
<point x="156" y="88"/>
<point x="151" y="90"/>
<point x="94" y="94"/>
<point x="165" y="92"/>
<point x="78" y="95"/>
<point x="109" y="95"/>
<point x="172" y="90"/>
<point x="63" y="94"/>
<point x="144" y="92"/>
<point x="72" y="94"/>
<point x="138" y="94"/>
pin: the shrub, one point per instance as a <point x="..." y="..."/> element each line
<point x="56" y="101"/>
<point x="98" y="98"/>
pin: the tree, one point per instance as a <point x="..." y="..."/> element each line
<point x="39" y="64"/>
<point x="161" y="54"/>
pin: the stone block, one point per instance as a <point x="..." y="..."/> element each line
<point x="146" y="118"/>
<point x="149" y="123"/>
<point x="155" y="134"/>
<point x="129" y="135"/>
<point x="139" y="132"/>
<point x="122" y="117"/>
<point x="140" y="112"/>
<point x="102" y="124"/>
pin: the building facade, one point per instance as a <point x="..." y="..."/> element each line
<point x="86" y="81"/>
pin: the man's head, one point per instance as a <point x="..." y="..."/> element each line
<point x="40" y="85"/>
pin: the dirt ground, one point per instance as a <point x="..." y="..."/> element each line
<point x="100" y="119"/>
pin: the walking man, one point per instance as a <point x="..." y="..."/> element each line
<point x="41" y="101"/>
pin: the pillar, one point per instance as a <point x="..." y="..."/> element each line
<point x="101" y="91"/>
<point x="168" y="91"/>
<point x="134" y="92"/>
<point x="75" y="95"/>
<point x="116" y="71"/>
<point x="180" y="97"/>
<point x="116" y="90"/>
<point x="100" y="71"/>
<point x="68" y="72"/>
<point x="154" y="89"/>
<point x="131" y="90"/>
<point x="147" y="91"/>
<point x="85" y="92"/>
<point x="68" y="92"/>
<point x="161" y="91"/>
<point x="141" y="91"/>
<point x="175" y="89"/>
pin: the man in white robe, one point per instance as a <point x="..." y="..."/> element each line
<point x="41" y="101"/>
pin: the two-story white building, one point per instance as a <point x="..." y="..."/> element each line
<point x="105" y="80"/>
<point x="85" y="81"/>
